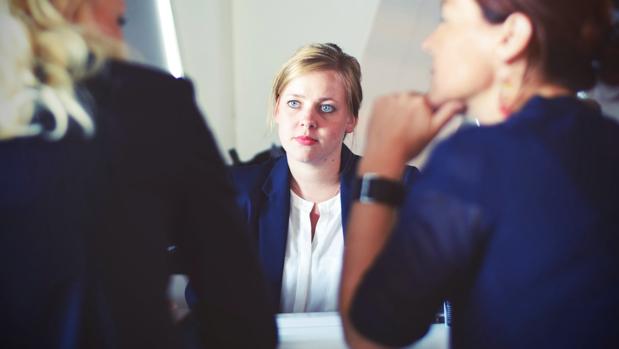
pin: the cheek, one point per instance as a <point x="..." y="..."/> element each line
<point x="461" y="71"/>
<point x="473" y="72"/>
<point x="279" y="113"/>
<point x="284" y="127"/>
<point x="282" y="135"/>
<point x="277" y="116"/>
<point x="339" y="131"/>
<point x="107" y="22"/>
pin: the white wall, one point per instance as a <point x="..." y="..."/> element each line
<point x="204" y="29"/>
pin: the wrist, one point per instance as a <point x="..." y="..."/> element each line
<point x="374" y="188"/>
<point x="383" y="164"/>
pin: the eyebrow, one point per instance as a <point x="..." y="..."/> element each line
<point x="321" y="99"/>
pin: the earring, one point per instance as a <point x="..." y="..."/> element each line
<point x="506" y="92"/>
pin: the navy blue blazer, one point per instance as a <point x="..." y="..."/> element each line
<point x="517" y="225"/>
<point x="264" y="198"/>
<point x="85" y="224"/>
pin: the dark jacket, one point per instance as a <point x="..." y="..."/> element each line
<point x="264" y="198"/>
<point x="86" y="224"/>
<point x="516" y="224"/>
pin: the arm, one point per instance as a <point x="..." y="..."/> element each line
<point x="232" y="308"/>
<point x="401" y="126"/>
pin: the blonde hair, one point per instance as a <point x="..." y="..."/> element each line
<point x="318" y="57"/>
<point x="43" y="56"/>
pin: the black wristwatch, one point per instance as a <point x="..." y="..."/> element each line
<point x="371" y="188"/>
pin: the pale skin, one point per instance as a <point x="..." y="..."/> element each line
<point x="401" y="125"/>
<point x="102" y="16"/>
<point x="312" y="118"/>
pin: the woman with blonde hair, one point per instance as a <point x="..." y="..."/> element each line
<point x="515" y="222"/>
<point x="296" y="205"/>
<point x="106" y="166"/>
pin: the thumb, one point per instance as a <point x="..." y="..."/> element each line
<point x="444" y="113"/>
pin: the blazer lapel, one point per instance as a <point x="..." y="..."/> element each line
<point x="348" y="167"/>
<point x="273" y="226"/>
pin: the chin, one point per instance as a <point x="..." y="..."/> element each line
<point x="300" y="156"/>
<point x="436" y="98"/>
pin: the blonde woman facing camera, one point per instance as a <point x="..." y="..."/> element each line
<point x="296" y="205"/>
<point x="106" y="164"/>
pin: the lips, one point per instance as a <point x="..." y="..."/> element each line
<point x="305" y="140"/>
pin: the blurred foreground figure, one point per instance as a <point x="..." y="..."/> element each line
<point x="515" y="221"/>
<point x="105" y="165"/>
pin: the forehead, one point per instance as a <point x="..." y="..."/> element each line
<point x="459" y="3"/>
<point x="327" y="83"/>
<point x="463" y="9"/>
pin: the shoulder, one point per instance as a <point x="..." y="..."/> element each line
<point x="249" y="178"/>
<point x="411" y="173"/>
<point x="350" y="161"/>
<point x="138" y="95"/>
<point x="459" y="164"/>
<point x="136" y="82"/>
<point x="135" y="73"/>
<point x="467" y="148"/>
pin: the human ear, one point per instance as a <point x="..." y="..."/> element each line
<point x="516" y="35"/>
<point x="351" y="123"/>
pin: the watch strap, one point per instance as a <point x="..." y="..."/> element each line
<point x="372" y="188"/>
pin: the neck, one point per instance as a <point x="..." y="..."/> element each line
<point x="315" y="183"/>
<point x="552" y="91"/>
<point x="485" y="105"/>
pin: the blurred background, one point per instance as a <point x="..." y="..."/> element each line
<point x="231" y="49"/>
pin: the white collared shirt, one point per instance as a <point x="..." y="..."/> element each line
<point x="312" y="267"/>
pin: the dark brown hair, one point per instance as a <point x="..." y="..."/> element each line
<point x="574" y="42"/>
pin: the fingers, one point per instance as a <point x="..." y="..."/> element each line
<point x="444" y="113"/>
<point x="406" y="122"/>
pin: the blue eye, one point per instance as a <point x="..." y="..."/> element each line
<point x="294" y="104"/>
<point x="327" y="108"/>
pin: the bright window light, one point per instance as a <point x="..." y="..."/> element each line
<point x="168" y="33"/>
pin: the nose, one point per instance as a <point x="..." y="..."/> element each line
<point x="427" y="43"/>
<point x="308" y="118"/>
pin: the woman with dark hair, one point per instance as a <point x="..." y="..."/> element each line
<point x="514" y="221"/>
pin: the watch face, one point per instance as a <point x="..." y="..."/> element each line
<point x="374" y="189"/>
